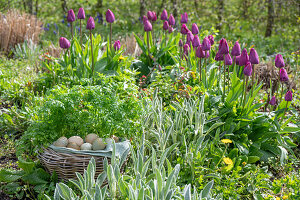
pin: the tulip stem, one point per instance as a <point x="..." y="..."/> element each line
<point x="200" y="70"/>
<point x="148" y="44"/>
<point x="72" y="29"/>
<point x="224" y="80"/>
<point x="91" y="36"/>
<point x="245" y="92"/>
<point x="234" y="64"/>
<point x="80" y="34"/>
<point x="284" y="111"/>
<point x="253" y="77"/>
<point x="281" y="91"/>
<point x="110" y="38"/>
<point x="205" y="63"/>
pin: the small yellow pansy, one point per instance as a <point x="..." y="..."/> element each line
<point x="285" y="197"/>
<point x="121" y="58"/>
<point x="228" y="161"/>
<point x="225" y="141"/>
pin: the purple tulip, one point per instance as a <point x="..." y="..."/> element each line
<point x="272" y="101"/>
<point x="186" y="49"/>
<point x="164" y="15"/>
<point x="180" y="43"/>
<point x="196" y="41"/>
<point x="248" y="69"/>
<point x="206" y="44"/>
<point x="144" y="19"/>
<point x="199" y="52"/>
<point x="219" y="57"/>
<point x="223" y="47"/>
<point x="283" y="75"/>
<point x="81" y="14"/>
<point x="189" y="37"/>
<point x="171" y="29"/>
<point x="288" y="96"/>
<point x="207" y="54"/>
<point x="184" y="18"/>
<point x="211" y="39"/>
<point x="154" y="17"/>
<point x="147" y="26"/>
<point x="71" y="16"/>
<point x="236" y="49"/>
<point x="150" y="15"/>
<point x="166" y="25"/>
<point x="110" y="17"/>
<point x="117" y="45"/>
<point x="90" y="24"/>
<point x="171" y="20"/>
<point x="253" y="57"/>
<point x="244" y="58"/>
<point x="279" y="62"/>
<point x="184" y="30"/>
<point x="64" y="43"/>
<point x="228" y="60"/>
<point x="195" y="29"/>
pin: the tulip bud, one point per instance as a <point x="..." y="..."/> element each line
<point x="272" y="101"/>
<point x="81" y="14"/>
<point x="144" y="19"/>
<point x="219" y="57"/>
<point x="288" y="96"/>
<point x="253" y="57"/>
<point x="248" y="69"/>
<point x="184" y="30"/>
<point x="244" y="58"/>
<point x="206" y="44"/>
<point x="159" y="68"/>
<point x="189" y="37"/>
<point x="228" y="60"/>
<point x="279" y="62"/>
<point x="211" y="39"/>
<point x="180" y="43"/>
<point x="64" y="43"/>
<point x="186" y="49"/>
<point x="207" y="54"/>
<point x="90" y="24"/>
<point x="184" y="18"/>
<point x="223" y="47"/>
<point x="283" y="75"/>
<point x="147" y="26"/>
<point x="196" y="41"/>
<point x="154" y="17"/>
<point x="237" y="59"/>
<point x="236" y="49"/>
<point x="195" y="29"/>
<point x="150" y="15"/>
<point x="164" y="15"/>
<point x="199" y="52"/>
<point x="71" y="16"/>
<point x="171" y="29"/>
<point x="110" y="17"/>
<point x="171" y="20"/>
<point x="166" y="25"/>
<point x="117" y="45"/>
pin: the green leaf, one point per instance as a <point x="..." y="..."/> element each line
<point x="253" y="159"/>
<point x="26" y="166"/>
<point x="8" y="176"/>
<point x="206" y="189"/>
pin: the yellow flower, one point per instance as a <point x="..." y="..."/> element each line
<point x="225" y="141"/>
<point x="285" y="197"/>
<point x="277" y="198"/>
<point x="228" y="161"/>
<point x="244" y="163"/>
<point x="121" y="58"/>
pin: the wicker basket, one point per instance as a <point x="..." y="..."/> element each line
<point x="66" y="164"/>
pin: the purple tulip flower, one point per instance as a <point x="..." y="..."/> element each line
<point x="184" y="30"/>
<point x="71" y="16"/>
<point x="279" y="62"/>
<point x="171" y="29"/>
<point x="147" y="26"/>
<point x="244" y="58"/>
<point x="171" y="20"/>
<point x="166" y="25"/>
<point x="184" y="18"/>
<point x="164" y="15"/>
<point x="253" y="57"/>
<point x="211" y="39"/>
<point x="288" y="96"/>
<point x="272" y="101"/>
<point x="248" y="69"/>
<point x="117" y="45"/>
<point x="237" y="60"/>
<point x="195" y="29"/>
<point x="219" y="57"/>
<point x="206" y="44"/>
<point x="81" y="14"/>
<point x="283" y="75"/>
<point x="228" y="60"/>
<point x="196" y="41"/>
<point x="199" y="52"/>
<point x="189" y="37"/>
<point x="223" y="47"/>
<point x="186" y="49"/>
<point x="110" y="17"/>
<point x="90" y="24"/>
<point x="180" y="43"/>
<point x="236" y="49"/>
<point x="64" y="43"/>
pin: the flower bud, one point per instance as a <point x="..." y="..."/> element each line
<point x="117" y="45"/>
<point x="189" y="37"/>
<point x="180" y="43"/>
<point x="237" y="59"/>
<point x="228" y="60"/>
<point x="154" y="17"/>
<point x="81" y="14"/>
<point x="166" y="25"/>
<point x="71" y="16"/>
<point x="150" y="15"/>
<point x="223" y="47"/>
<point x="186" y="49"/>
<point x="199" y="52"/>
<point x="171" y="20"/>
<point x="171" y="29"/>
<point x="288" y="96"/>
<point x="90" y="24"/>
<point x="272" y="101"/>
<point x="195" y="29"/>
<point x="244" y="58"/>
<point x="184" y="18"/>
<point x="184" y="30"/>
<point x="283" y="75"/>
<point x="196" y="41"/>
<point x="206" y="44"/>
<point x="236" y="49"/>
<point x="279" y="62"/>
<point x="253" y="56"/>
<point x="219" y="57"/>
<point x="211" y="39"/>
<point x="64" y="43"/>
<point x="248" y="69"/>
<point x="147" y="26"/>
<point x="164" y="15"/>
<point x="110" y="17"/>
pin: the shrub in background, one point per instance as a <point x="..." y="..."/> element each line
<point x="16" y="27"/>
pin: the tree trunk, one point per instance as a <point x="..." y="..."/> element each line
<point x="220" y="12"/>
<point x="175" y="11"/>
<point x="245" y="9"/>
<point x="64" y="5"/>
<point x="142" y="8"/>
<point x="30" y="6"/>
<point x="270" y="19"/>
<point x="196" y="6"/>
<point x="36" y="7"/>
<point x="99" y="7"/>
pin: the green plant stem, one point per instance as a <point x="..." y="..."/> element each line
<point x="91" y="36"/>
<point x="245" y="91"/>
<point x="234" y="64"/>
<point x="72" y="29"/>
<point x="253" y="77"/>
<point x="224" y="81"/>
<point x="80" y="34"/>
<point x="205" y="63"/>
<point x="110" y="35"/>
<point x="284" y="111"/>
<point x="148" y="44"/>
<point x="200" y="70"/>
<point x="281" y="91"/>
